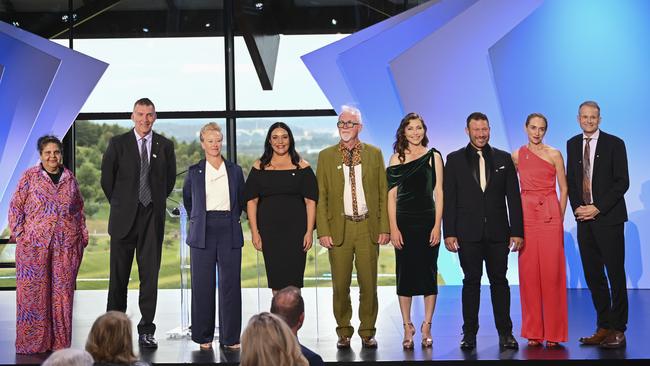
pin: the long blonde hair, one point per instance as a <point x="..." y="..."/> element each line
<point x="110" y="339"/>
<point x="267" y="340"/>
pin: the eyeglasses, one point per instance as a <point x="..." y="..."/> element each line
<point x="346" y="124"/>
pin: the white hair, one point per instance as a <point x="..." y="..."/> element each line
<point x="69" y="357"/>
<point x="352" y="110"/>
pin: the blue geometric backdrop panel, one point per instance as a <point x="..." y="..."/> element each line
<point x="563" y="54"/>
<point x="43" y="87"/>
<point x="508" y="59"/>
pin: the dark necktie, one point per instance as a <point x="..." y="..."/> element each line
<point x="586" y="173"/>
<point x="144" y="193"/>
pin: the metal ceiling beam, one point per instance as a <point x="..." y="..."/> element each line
<point x="83" y="14"/>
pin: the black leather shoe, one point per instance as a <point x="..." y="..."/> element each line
<point x="508" y="341"/>
<point x="468" y="342"/>
<point x="147" y="341"/>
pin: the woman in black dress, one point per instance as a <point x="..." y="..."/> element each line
<point x="282" y="192"/>
<point x="414" y="213"/>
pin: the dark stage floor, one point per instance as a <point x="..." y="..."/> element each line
<point x="320" y="335"/>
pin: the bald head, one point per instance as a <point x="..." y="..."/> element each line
<point x="289" y="305"/>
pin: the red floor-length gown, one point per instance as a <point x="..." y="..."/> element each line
<point x="542" y="273"/>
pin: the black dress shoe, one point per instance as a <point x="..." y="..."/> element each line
<point x="508" y="341"/>
<point x="468" y="342"/>
<point x="147" y="341"/>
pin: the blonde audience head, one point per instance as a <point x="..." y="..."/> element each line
<point x="267" y="340"/>
<point x="110" y="339"/>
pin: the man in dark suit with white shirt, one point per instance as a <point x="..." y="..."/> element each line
<point x="138" y="173"/>
<point x="289" y="305"/>
<point x="598" y="179"/>
<point x="478" y="181"/>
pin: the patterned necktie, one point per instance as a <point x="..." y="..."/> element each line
<point x="144" y="193"/>
<point x="353" y="186"/>
<point x="586" y="173"/>
<point x="352" y="158"/>
<point x="481" y="170"/>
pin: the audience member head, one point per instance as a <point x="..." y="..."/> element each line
<point x="110" y="339"/>
<point x="267" y="340"/>
<point x="289" y="305"/>
<point x="69" y="357"/>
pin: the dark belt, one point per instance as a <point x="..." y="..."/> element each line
<point x="218" y="213"/>
<point x="357" y="218"/>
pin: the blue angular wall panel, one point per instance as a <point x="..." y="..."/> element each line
<point x="43" y="87"/>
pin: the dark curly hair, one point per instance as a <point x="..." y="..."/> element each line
<point x="268" y="149"/>
<point x="48" y="139"/>
<point x="401" y="144"/>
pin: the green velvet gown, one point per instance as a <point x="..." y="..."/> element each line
<point x="416" y="263"/>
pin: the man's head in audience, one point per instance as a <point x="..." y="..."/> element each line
<point x="289" y="305"/>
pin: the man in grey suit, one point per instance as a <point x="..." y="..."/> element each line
<point x="138" y="173"/>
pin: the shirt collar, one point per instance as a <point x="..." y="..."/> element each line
<point x="594" y="136"/>
<point x="147" y="136"/>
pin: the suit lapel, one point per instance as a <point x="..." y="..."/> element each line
<point x="470" y="165"/>
<point x="490" y="163"/>
<point x="578" y="153"/>
<point x="601" y="143"/>
<point x="365" y="165"/>
<point x="155" y="149"/>
<point x="200" y="184"/>
<point x="132" y="147"/>
<point x="231" y="183"/>
<point x="339" y="179"/>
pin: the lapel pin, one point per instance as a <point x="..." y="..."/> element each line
<point x="200" y="171"/>
<point x="338" y="167"/>
<point x="154" y="156"/>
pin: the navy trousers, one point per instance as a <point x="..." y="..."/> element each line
<point x="220" y="255"/>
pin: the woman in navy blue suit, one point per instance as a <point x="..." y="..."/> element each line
<point x="213" y="197"/>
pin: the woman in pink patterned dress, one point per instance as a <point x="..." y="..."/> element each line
<point x="46" y="219"/>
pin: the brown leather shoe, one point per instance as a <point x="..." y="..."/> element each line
<point x="343" y="342"/>
<point x="368" y="342"/>
<point x="596" y="338"/>
<point x="615" y="339"/>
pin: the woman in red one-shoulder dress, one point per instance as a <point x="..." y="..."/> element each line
<point x="542" y="272"/>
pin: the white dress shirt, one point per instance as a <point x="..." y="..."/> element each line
<point x="362" y="208"/>
<point x="217" y="190"/>
<point x="592" y="156"/>
<point x="139" y="140"/>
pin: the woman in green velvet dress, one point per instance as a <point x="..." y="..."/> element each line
<point x="415" y="211"/>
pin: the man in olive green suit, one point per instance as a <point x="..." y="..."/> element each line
<point x="351" y="220"/>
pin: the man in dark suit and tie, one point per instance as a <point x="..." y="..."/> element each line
<point x="138" y="173"/>
<point x="598" y="179"/>
<point x="478" y="179"/>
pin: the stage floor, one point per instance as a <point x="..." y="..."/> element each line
<point x="319" y="334"/>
